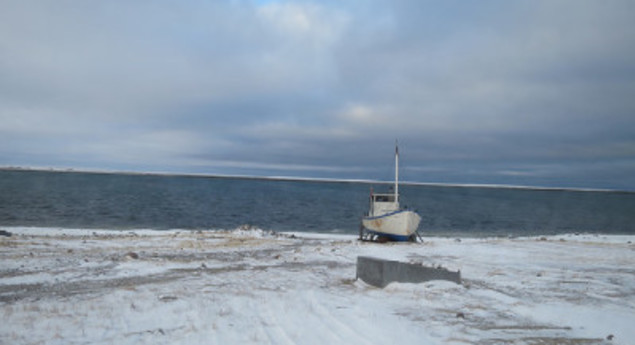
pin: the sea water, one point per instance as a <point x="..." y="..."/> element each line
<point x="134" y="201"/>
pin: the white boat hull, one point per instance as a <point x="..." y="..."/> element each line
<point x="399" y="225"/>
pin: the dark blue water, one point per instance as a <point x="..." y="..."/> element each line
<point x="120" y="201"/>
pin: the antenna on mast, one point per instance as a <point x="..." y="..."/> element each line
<point x="396" y="170"/>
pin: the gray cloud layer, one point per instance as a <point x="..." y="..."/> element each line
<point x="524" y="92"/>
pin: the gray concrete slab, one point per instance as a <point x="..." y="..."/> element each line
<point x="379" y="272"/>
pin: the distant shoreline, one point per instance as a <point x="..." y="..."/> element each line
<point x="307" y="179"/>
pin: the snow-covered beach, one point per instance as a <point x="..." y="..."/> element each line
<point x="64" y="286"/>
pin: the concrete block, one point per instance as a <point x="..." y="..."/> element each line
<point x="380" y="272"/>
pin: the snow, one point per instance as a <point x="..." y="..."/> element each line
<point x="249" y="286"/>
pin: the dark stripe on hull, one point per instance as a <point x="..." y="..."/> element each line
<point x="391" y="237"/>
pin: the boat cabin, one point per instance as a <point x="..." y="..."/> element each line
<point x="381" y="204"/>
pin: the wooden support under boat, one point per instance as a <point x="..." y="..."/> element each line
<point x="370" y="236"/>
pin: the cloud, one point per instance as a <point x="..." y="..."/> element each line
<point x="490" y="91"/>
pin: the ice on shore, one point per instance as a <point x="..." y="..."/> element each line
<point x="61" y="286"/>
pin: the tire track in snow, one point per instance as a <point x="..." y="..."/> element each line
<point x="271" y="325"/>
<point x="344" y="333"/>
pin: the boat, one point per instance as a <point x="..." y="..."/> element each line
<point x="386" y="220"/>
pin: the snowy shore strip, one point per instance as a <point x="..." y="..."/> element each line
<point x="68" y="286"/>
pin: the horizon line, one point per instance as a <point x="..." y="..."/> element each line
<point x="310" y="179"/>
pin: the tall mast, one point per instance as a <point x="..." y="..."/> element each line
<point x="396" y="171"/>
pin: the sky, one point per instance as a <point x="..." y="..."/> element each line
<point x="535" y="93"/>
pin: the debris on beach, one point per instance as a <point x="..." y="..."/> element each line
<point x="131" y="256"/>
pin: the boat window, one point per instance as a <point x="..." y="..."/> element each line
<point x="384" y="198"/>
